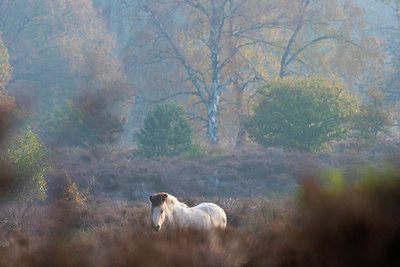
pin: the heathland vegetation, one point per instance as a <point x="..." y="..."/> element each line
<point x="283" y="112"/>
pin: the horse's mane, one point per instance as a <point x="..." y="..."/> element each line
<point x="159" y="198"/>
<point x="174" y="201"/>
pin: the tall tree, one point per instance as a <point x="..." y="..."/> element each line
<point x="226" y="49"/>
<point x="205" y="39"/>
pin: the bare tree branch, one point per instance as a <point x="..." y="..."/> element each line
<point x="142" y="99"/>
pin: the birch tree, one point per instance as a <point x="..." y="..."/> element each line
<point x="206" y="39"/>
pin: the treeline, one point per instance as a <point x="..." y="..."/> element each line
<point x="78" y="80"/>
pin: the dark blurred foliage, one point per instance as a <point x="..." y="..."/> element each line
<point x="7" y="121"/>
<point x="85" y="121"/>
<point x="7" y="113"/>
<point x="357" y="226"/>
<point x="7" y="182"/>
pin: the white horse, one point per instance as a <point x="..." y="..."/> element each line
<point x="165" y="208"/>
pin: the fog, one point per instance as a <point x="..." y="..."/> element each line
<point x="273" y="109"/>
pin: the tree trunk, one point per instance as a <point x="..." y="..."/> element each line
<point x="212" y="128"/>
<point x="213" y="109"/>
<point x="213" y="102"/>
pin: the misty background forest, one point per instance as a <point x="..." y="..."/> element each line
<point x="283" y="112"/>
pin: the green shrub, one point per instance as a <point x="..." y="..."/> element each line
<point x="166" y="132"/>
<point x="302" y="114"/>
<point x="374" y="118"/>
<point x="28" y="157"/>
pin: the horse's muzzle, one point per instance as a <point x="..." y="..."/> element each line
<point x="157" y="228"/>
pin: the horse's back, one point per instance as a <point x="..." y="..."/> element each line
<point x="216" y="213"/>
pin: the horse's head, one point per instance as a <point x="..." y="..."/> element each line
<point x="158" y="208"/>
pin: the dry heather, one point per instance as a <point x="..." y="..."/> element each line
<point x="355" y="226"/>
<point x="247" y="172"/>
<point x="111" y="233"/>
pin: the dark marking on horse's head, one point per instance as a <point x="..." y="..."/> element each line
<point x="158" y="199"/>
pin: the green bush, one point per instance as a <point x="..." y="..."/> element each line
<point x="166" y="132"/>
<point x="374" y="117"/>
<point x="28" y="158"/>
<point x="302" y="114"/>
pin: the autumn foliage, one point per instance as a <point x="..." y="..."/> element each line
<point x="5" y="67"/>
